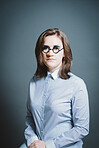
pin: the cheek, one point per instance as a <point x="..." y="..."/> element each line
<point x="61" y="56"/>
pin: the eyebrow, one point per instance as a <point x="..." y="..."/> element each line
<point x="53" y="46"/>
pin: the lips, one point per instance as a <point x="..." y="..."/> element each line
<point x="50" y="59"/>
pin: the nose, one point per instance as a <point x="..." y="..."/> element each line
<point x="50" y="53"/>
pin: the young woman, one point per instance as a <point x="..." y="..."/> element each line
<point x="57" y="105"/>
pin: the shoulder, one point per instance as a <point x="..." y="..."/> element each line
<point x="77" y="82"/>
<point x="34" y="79"/>
<point x="32" y="83"/>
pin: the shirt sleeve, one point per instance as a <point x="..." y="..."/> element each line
<point x="50" y="144"/>
<point x="80" y="115"/>
<point x="29" y="133"/>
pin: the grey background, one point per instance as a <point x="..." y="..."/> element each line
<point x="21" y="22"/>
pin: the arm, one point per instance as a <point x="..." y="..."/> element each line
<point x="80" y="114"/>
<point x="29" y="133"/>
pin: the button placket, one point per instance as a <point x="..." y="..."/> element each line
<point x="44" y="99"/>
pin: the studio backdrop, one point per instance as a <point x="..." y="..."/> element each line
<point x="21" y="22"/>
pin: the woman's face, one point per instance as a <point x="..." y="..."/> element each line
<point x="52" y="60"/>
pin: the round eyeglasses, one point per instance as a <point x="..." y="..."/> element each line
<point x="55" y="49"/>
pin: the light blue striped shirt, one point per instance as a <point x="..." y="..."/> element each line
<point x="57" y="111"/>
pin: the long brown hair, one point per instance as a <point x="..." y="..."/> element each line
<point x="66" y="61"/>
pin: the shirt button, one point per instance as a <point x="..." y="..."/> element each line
<point x="41" y="131"/>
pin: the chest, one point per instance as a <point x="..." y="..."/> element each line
<point x="53" y="96"/>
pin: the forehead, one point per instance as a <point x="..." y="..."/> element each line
<point x="53" y="40"/>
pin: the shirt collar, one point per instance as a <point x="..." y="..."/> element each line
<point x="54" y="74"/>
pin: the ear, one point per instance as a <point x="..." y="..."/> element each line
<point x="63" y="54"/>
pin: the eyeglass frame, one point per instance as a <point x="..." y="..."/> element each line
<point x="51" y="49"/>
